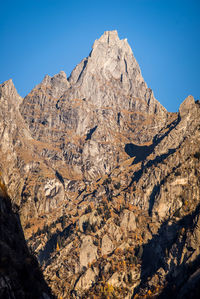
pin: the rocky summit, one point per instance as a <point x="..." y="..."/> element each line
<point x="100" y="185"/>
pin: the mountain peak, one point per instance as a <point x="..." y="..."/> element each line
<point x="188" y="107"/>
<point x="110" y="58"/>
<point x="111" y="38"/>
<point x="61" y="76"/>
<point x="105" y="181"/>
<point x="111" y="63"/>
<point x="7" y="88"/>
<point x="7" y="85"/>
<point x="56" y="85"/>
<point x="108" y="37"/>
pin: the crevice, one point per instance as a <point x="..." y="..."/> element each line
<point x="125" y="62"/>
<point x="118" y="118"/>
<point x="84" y="66"/>
<point x="59" y="177"/>
<point x="89" y="134"/>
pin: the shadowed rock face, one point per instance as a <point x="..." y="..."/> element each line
<point x="105" y="180"/>
<point x="20" y="274"/>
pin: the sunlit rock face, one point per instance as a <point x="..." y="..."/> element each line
<point x="92" y="115"/>
<point x="105" y="180"/>
<point x="111" y="73"/>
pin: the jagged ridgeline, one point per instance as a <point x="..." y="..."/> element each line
<point x="105" y="180"/>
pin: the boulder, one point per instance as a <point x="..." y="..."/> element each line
<point x="107" y="245"/>
<point x="88" y="251"/>
<point x="128" y="222"/>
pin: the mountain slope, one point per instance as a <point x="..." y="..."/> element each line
<point x="136" y="231"/>
<point x="104" y="104"/>
<point x="105" y="179"/>
<point x="20" y="274"/>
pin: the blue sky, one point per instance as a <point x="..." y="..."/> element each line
<point x="40" y="37"/>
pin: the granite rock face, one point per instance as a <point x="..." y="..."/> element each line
<point x="23" y="154"/>
<point x="92" y="115"/>
<point x="111" y="72"/>
<point x="105" y="180"/>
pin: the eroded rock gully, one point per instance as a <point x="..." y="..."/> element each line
<point x="105" y="180"/>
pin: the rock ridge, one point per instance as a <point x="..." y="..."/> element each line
<point x="105" y="91"/>
<point x="105" y="180"/>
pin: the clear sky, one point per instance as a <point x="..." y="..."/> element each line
<point x="40" y="37"/>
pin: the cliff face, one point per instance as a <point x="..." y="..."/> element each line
<point x="90" y="117"/>
<point x="135" y="231"/>
<point x="20" y="273"/>
<point x="105" y="179"/>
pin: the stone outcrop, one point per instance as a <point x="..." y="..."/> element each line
<point x="86" y="281"/>
<point x="88" y="252"/>
<point x="128" y="221"/>
<point x="107" y="245"/>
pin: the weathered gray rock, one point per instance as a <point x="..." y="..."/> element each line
<point x="55" y="85"/>
<point x="128" y="222"/>
<point x="86" y="280"/>
<point x="104" y="99"/>
<point x="106" y="181"/>
<point x="107" y="245"/>
<point x="88" y="251"/>
<point x="188" y="107"/>
<point x="111" y="60"/>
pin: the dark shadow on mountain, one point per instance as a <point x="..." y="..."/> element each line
<point x="186" y="284"/>
<point x="19" y="268"/>
<point x="155" y="252"/>
<point x="89" y="134"/>
<point x="139" y="152"/>
<point x="50" y="245"/>
<point x="157" y="139"/>
<point x="118" y="118"/>
<point x="155" y="191"/>
<point x="59" y="177"/>
<point x="84" y="66"/>
<point x="137" y="175"/>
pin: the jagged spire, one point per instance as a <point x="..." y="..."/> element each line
<point x="57" y="84"/>
<point x="8" y="89"/>
<point x="109" y="37"/>
<point x="111" y="60"/>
